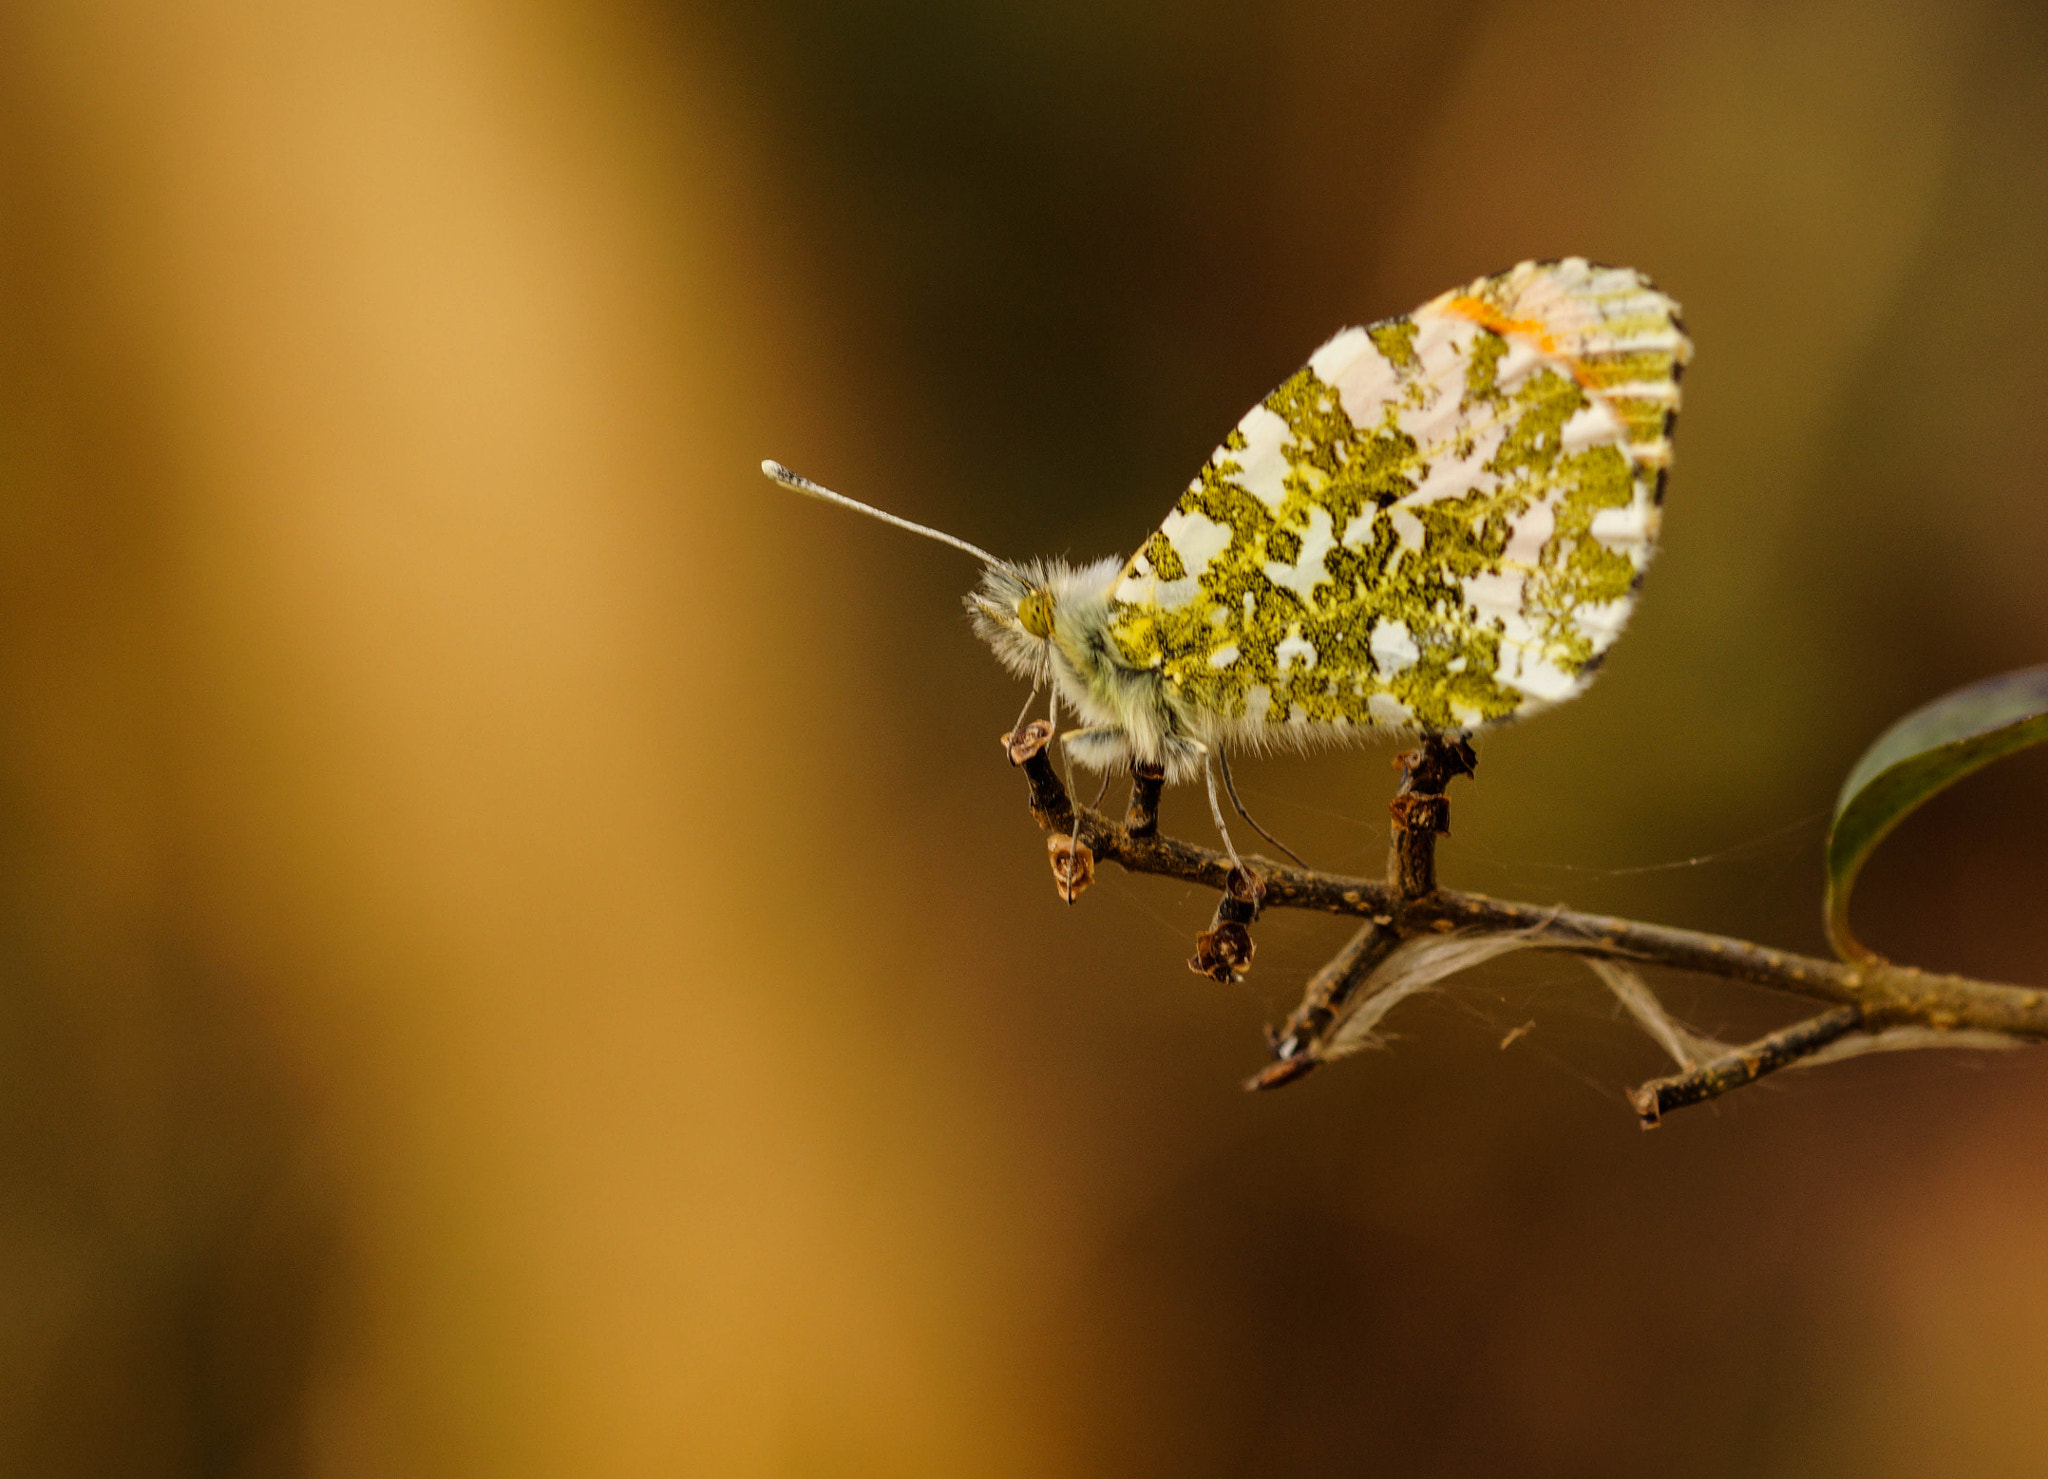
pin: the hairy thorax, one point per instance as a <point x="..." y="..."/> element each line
<point x="1051" y="623"/>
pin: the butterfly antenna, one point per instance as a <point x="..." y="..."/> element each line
<point x="1230" y="787"/>
<point x="797" y="483"/>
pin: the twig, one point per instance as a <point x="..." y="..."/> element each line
<point x="1742" y="1066"/>
<point x="1142" y="817"/>
<point x="1882" y="994"/>
<point x="1329" y="991"/>
<point x="1420" y="811"/>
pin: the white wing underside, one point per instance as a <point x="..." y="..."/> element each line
<point x="1346" y="657"/>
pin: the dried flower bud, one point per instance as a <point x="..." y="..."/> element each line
<point x="1073" y="865"/>
<point x="1223" y="953"/>
<point x="1020" y="745"/>
<point x="1246" y="889"/>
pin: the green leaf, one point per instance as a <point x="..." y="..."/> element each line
<point x="1927" y="751"/>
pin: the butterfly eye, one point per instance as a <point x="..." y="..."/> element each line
<point x="1034" y="613"/>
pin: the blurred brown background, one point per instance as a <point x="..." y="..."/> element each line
<point x="519" y="954"/>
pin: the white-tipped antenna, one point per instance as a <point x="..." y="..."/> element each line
<point x="809" y="489"/>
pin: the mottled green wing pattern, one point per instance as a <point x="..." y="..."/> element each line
<point x="1438" y="523"/>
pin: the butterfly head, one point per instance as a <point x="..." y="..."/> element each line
<point x="1036" y="612"/>
<point x="1028" y="613"/>
<point x="1016" y="611"/>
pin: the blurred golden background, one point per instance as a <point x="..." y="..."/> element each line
<point x="519" y="954"/>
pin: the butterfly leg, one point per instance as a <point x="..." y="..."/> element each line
<point x="1014" y="728"/>
<point x="1230" y="790"/>
<point x="1223" y="952"/>
<point x="1216" y="811"/>
<point x="1101" y="747"/>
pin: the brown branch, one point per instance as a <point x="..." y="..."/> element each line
<point x="1881" y="994"/>
<point x="1142" y="817"/>
<point x="1744" y="1065"/>
<point x="1420" y="811"/>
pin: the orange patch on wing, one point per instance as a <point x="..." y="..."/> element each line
<point x="1488" y="317"/>
<point x="1533" y="329"/>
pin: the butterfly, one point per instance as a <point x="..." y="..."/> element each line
<point x="1437" y="525"/>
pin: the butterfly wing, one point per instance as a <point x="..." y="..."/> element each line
<point x="1439" y="522"/>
